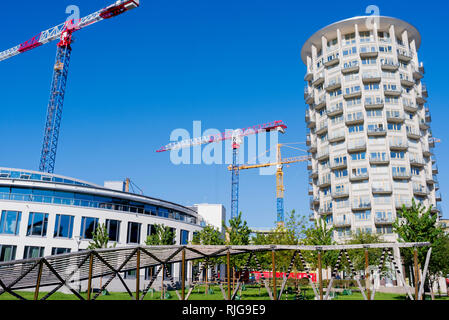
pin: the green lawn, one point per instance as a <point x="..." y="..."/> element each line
<point x="251" y="293"/>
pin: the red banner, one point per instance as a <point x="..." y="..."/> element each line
<point x="293" y="275"/>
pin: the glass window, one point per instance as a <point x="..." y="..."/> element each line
<point x="37" y="224"/>
<point x="113" y="227"/>
<point x="9" y="222"/>
<point x="33" y="252"/>
<point x="184" y="237"/>
<point x="133" y="232"/>
<point x="63" y="226"/>
<point x="151" y="229"/>
<point x="88" y="227"/>
<point x="55" y="251"/>
<point x="7" y="253"/>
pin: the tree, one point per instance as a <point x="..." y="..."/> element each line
<point x="208" y="236"/>
<point x="162" y="236"/>
<point x="418" y="224"/>
<point x="357" y="256"/>
<point x="320" y="234"/>
<point x="100" y="238"/>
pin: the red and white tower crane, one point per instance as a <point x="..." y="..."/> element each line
<point x="63" y="32"/>
<point x="237" y="139"/>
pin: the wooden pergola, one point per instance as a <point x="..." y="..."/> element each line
<point x="58" y="270"/>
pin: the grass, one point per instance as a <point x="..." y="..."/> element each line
<point x="251" y="293"/>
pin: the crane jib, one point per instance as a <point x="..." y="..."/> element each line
<point x="30" y="44"/>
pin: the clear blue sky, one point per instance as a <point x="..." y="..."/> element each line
<point x="135" y="78"/>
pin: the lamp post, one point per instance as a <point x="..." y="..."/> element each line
<point x="78" y="242"/>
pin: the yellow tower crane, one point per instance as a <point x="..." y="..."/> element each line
<point x="279" y="177"/>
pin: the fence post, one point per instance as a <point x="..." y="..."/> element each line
<point x="320" y="274"/>
<point x="228" y="258"/>
<point x="273" y="263"/>
<point x="183" y="273"/>
<point x="367" y="280"/>
<point x="38" y="281"/>
<point x="415" y="258"/>
<point x="89" y="279"/>
<point x="137" y="273"/>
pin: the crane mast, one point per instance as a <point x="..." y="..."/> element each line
<point x="63" y="32"/>
<point x="237" y="139"/>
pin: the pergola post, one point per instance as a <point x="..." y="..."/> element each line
<point x="228" y="260"/>
<point x="89" y="279"/>
<point x="183" y="273"/>
<point x="273" y="264"/>
<point x="415" y="258"/>
<point x="320" y="274"/>
<point x="367" y="280"/>
<point x="137" y="273"/>
<point x="38" y="281"/>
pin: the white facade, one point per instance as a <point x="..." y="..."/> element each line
<point x="213" y="214"/>
<point x="369" y="125"/>
<point x="43" y="214"/>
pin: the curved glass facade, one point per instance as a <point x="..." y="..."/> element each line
<point x="92" y="201"/>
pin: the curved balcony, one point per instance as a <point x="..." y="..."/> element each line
<point x="413" y="134"/>
<point x="410" y="107"/>
<point x="361" y="204"/>
<point x="389" y="65"/>
<point x="358" y="176"/>
<point x="423" y="125"/>
<point x="392" y="92"/>
<point x="308" y="76"/>
<point x="379" y="159"/>
<point x="404" y="55"/>
<point x="331" y="61"/>
<point x="310" y="98"/>
<point x="321" y="104"/>
<point x="368" y="52"/>
<point x="407" y="83"/>
<point x="335" y="165"/>
<point x="357" y="118"/>
<point x="353" y="94"/>
<point x="420" y="190"/>
<point x="356" y="146"/>
<point x="376" y="131"/>
<point x="332" y="85"/>
<point x="371" y="77"/>
<point x="395" y="116"/>
<point x="374" y="103"/>
<point x="318" y="80"/>
<point x="324" y="182"/>
<point x="336" y="137"/>
<point x="401" y="175"/>
<point x="383" y="220"/>
<point x="399" y="203"/>
<point x="350" y="69"/>
<point x="398" y="145"/>
<point x="420" y="99"/>
<point x="381" y="188"/>
<point x="321" y="128"/>
<point x="417" y="162"/>
<point x="335" y="110"/>
<point x="339" y="223"/>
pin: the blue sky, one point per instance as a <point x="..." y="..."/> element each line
<point x="135" y="78"/>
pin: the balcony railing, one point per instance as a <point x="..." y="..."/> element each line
<point x="417" y="162"/>
<point x="404" y="55"/>
<point x="324" y="181"/>
<point x="354" y="118"/>
<point x="376" y="131"/>
<point x="379" y="159"/>
<point x="410" y="107"/>
<point x="420" y="190"/>
<point x="382" y="188"/>
<point x="339" y="164"/>
<point x="353" y="67"/>
<point x="342" y="223"/>
<point x="361" y="204"/>
<point x="395" y="116"/>
<point x="401" y="175"/>
<point x="355" y="146"/>
<point x="398" y="145"/>
<point x="374" y="103"/>
<point x="399" y="203"/>
<point x="389" y="65"/>
<point x="333" y="84"/>
<point x="336" y="136"/>
<point x="341" y="193"/>
<point x="413" y="133"/>
<point x="371" y="77"/>
<point x="321" y="128"/>
<point x="359" y="176"/>
<point x="383" y="220"/>
<point x="335" y="110"/>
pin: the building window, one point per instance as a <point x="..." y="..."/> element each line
<point x="394" y="126"/>
<point x="363" y="215"/>
<point x="356" y="128"/>
<point x="88" y="227"/>
<point x="63" y="226"/>
<point x="7" y="253"/>
<point x="358" y="156"/>
<point x="10" y="222"/>
<point x="133" y="232"/>
<point x="55" y="251"/>
<point x="369" y="61"/>
<point x="37" y="224"/>
<point x="33" y="252"/>
<point x="341" y="173"/>
<point x="113" y="228"/>
<point x="130" y="274"/>
<point x="184" y="237"/>
<point x="397" y="155"/>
